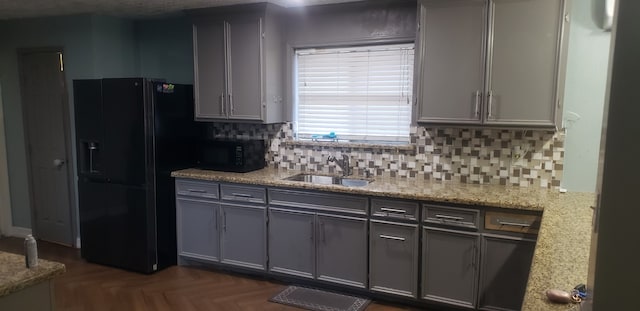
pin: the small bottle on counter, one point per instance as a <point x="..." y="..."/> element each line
<point x="30" y="251"/>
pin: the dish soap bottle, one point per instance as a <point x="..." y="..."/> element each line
<point x="30" y="251"/>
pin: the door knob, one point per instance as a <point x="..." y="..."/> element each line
<point x="58" y="162"/>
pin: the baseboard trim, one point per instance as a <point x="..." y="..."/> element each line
<point x="19" y="232"/>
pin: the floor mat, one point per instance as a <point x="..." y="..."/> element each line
<point x="313" y="299"/>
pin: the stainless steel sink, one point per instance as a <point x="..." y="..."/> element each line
<point x="329" y="180"/>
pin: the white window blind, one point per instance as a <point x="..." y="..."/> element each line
<point x="360" y="93"/>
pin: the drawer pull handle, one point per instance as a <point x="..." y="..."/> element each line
<point x="393" y="210"/>
<point x="446" y="217"/>
<point x="507" y="223"/>
<point x="197" y="190"/>
<point x="241" y="195"/>
<point x="390" y="237"/>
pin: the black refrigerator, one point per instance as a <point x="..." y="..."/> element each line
<point x="130" y="134"/>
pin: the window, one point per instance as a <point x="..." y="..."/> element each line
<point x="359" y="93"/>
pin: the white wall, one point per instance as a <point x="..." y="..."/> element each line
<point x="587" y="64"/>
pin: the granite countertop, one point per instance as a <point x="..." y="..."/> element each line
<point x="534" y="199"/>
<point x="562" y="250"/>
<point x="14" y="276"/>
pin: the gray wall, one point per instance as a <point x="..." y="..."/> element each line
<point x="345" y="24"/>
<point x="72" y="33"/>
<point x="587" y="63"/>
<point x="165" y="49"/>
<point x="94" y="47"/>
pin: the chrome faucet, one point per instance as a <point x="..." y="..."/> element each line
<point x="343" y="164"/>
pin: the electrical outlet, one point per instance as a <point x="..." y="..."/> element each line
<point x="518" y="153"/>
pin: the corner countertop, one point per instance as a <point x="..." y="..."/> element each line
<point x="561" y="256"/>
<point x="14" y="276"/>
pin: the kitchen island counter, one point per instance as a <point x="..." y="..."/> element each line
<point x="24" y="288"/>
<point x="562" y="250"/>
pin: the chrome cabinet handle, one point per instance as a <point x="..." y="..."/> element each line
<point x="391" y="237"/>
<point x="197" y="190"/>
<point x="241" y="195"/>
<point x="312" y="227"/>
<point x="508" y="223"/>
<point x="222" y="103"/>
<point x="474" y="256"/>
<point x="477" y="108"/>
<point x="231" y="107"/>
<point x="446" y="217"/>
<point x="490" y="105"/>
<point x="224" y="221"/>
<point x="393" y="210"/>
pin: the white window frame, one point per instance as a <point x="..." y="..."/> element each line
<point x="404" y="96"/>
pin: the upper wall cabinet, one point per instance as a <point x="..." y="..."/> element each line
<point x="491" y="62"/>
<point x="238" y="57"/>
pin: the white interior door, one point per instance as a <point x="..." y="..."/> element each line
<point x="44" y="103"/>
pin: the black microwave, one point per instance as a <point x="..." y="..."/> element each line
<point x="232" y="155"/>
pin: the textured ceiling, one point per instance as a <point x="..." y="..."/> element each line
<point x="11" y="9"/>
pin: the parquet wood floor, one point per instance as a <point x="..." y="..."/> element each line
<point x="91" y="287"/>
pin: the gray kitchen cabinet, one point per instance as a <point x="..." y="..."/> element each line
<point x="525" y="62"/>
<point x="492" y="62"/>
<point x="243" y="236"/>
<point x="452" y="62"/>
<point x="504" y="271"/>
<point x="292" y="242"/>
<point x="393" y="258"/>
<point x="327" y="233"/>
<point x="450" y="265"/>
<point x="209" y="69"/>
<point x="342" y="250"/>
<point x="238" y="58"/>
<point x="197" y="220"/>
<point x="198" y="229"/>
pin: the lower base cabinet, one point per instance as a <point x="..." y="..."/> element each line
<point x="325" y="247"/>
<point x="450" y="265"/>
<point x="243" y="236"/>
<point x="342" y="250"/>
<point x="292" y="242"/>
<point x="504" y="271"/>
<point x="393" y="258"/>
<point x="198" y="229"/>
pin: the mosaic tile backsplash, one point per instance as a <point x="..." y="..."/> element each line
<point x="480" y="156"/>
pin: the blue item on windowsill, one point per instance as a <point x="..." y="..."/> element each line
<point x="331" y="136"/>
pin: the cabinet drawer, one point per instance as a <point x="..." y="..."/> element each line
<point x="452" y="216"/>
<point x="395" y="209"/>
<point x="243" y="193"/>
<point x="199" y="189"/>
<point x="319" y="201"/>
<point x="512" y="222"/>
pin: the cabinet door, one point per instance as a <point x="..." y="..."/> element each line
<point x="209" y="69"/>
<point x="342" y="250"/>
<point x="198" y="229"/>
<point x="243" y="236"/>
<point x="393" y="258"/>
<point x="450" y="266"/>
<point x="292" y="242"/>
<point x="245" y="63"/>
<point x="524" y="62"/>
<point x="452" y="60"/>
<point x="504" y="273"/>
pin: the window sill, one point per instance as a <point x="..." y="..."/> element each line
<point x="348" y="145"/>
